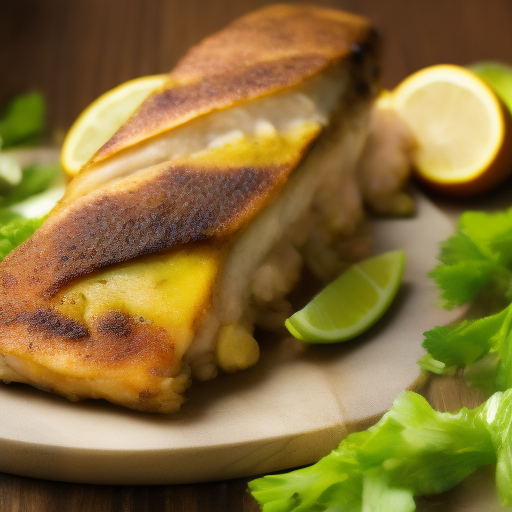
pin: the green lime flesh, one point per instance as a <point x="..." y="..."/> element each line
<point x="352" y="303"/>
<point x="499" y="77"/>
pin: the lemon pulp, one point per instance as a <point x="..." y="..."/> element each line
<point x="461" y="129"/>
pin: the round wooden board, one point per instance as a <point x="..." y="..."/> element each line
<point x="292" y="408"/>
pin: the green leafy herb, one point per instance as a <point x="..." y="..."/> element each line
<point x="477" y="258"/>
<point x="23" y="119"/>
<point x="413" y="450"/>
<point x="10" y="172"/>
<point x="34" y="180"/>
<point x="15" y="228"/>
<point x="487" y="341"/>
<point x="16" y="231"/>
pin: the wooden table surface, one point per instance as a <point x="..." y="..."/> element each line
<point x="75" y="50"/>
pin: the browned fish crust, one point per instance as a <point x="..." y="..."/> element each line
<point x="138" y="357"/>
<point x="175" y="206"/>
<point x="166" y="206"/>
<point x="52" y="323"/>
<point x="117" y="340"/>
<point x="266" y="51"/>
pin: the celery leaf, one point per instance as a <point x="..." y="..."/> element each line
<point x="413" y="450"/>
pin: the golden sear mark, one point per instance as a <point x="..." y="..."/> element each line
<point x="261" y="53"/>
<point x="170" y="290"/>
<point x="259" y="151"/>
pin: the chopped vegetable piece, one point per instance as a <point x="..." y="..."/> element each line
<point x="477" y="258"/>
<point x="412" y="450"/>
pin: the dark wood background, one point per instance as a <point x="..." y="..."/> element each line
<point x="74" y="50"/>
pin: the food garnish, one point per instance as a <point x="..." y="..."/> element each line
<point x="477" y="259"/>
<point x="463" y="130"/>
<point x="102" y="118"/>
<point x="352" y="303"/>
<point x="487" y="341"/>
<point x="22" y="121"/>
<point x="412" y="451"/>
<point x="25" y="197"/>
<point x="476" y="265"/>
<point x="498" y="76"/>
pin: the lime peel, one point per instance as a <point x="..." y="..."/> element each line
<point x="352" y="303"/>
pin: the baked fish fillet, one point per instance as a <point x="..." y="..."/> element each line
<point x="193" y="221"/>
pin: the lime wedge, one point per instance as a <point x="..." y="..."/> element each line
<point x="352" y="303"/>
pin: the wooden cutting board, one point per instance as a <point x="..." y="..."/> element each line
<point x="292" y="408"/>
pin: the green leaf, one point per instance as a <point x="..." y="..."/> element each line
<point x="476" y="258"/>
<point x="468" y="341"/>
<point x="483" y="374"/>
<point x="23" y="119"/>
<point x="336" y="480"/>
<point x="497" y="412"/>
<point x="35" y="179"/>
<point x="378" y="495"/>
<point x="490" y="232"/>
<point x="462" y="282"/>
<point x="7" y="216"/>
<point x="483" y="347"/>
<point x="503" y="349"/>
<point x="412" y="450"/>
<point x="15" y="231"/>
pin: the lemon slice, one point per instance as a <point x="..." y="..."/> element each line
<point x="463" y="131"/>
<point x="102" y="118"/>
<point x="352" y="303"/>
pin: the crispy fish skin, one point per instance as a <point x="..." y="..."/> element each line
<point x="259" y="54"/>
<point x="123" y="360"/>
<point x="116" y="355"/>
<point x="173" y="204"/>
<point x="141" y="216"/>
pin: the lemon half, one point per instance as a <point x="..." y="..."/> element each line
<point x="463" y="131"/>
<point x="102" y="118"/>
